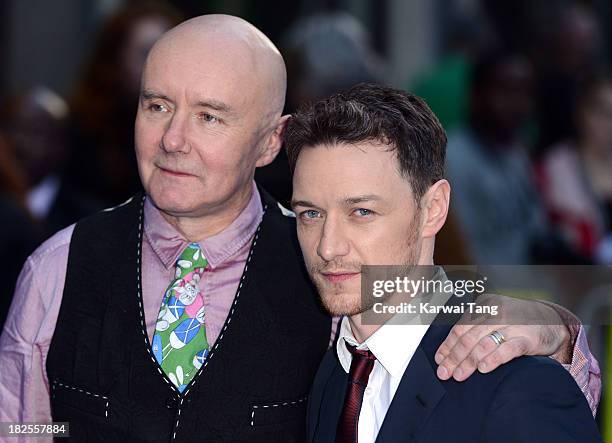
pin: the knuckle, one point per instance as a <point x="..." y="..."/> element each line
<point x="452" y="360"/>
<point x="467" y="341"/>
<point x="471" y="361"/>
<point x="480" y="350"/>
<point x="494" y="359"/>
<point x="455" y="332"/>
<point x="520" y="347"/>
<point x="487" y="344"/>
<point x="463" y="328"/>
<point x="443" y="350"/>
<point x="506" y="352"/>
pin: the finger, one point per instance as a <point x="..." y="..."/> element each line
<point x="455" y="333"/>
<point x="509" y="350"/>
<point x="462" y="347"/>
<point x="485" y="346"/>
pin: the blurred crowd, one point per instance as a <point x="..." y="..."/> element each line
<point x="529" y="124"/>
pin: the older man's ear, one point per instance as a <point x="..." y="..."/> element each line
<point x="273" y="142"/>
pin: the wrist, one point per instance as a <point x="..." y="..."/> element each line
<point x="567" y="329"/>
<point x="565" y="351"/>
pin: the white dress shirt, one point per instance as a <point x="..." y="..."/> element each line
<point x="393" y="345"/>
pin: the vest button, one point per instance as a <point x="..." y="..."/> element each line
<point x="171" y="403"/>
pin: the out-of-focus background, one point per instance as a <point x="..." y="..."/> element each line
<point x="522" y="88"/>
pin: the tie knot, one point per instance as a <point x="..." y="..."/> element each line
<point x="191" y="260"/>
<point x="361" y="365"/>
<point x="360" y="353"/>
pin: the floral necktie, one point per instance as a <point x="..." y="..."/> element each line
<point x="179" y="343"/>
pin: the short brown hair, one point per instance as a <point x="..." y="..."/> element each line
<point x="365" y="112"/>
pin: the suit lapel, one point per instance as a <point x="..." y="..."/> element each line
<point x="417" y="396"/>
<point x="331" y="405"/>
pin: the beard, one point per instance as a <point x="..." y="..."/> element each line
<point x="342" y="298"/>
<point x="345" y="298"/>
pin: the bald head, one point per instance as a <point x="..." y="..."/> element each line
<point x="238" y="45"/>
<point x="212" y="94"/>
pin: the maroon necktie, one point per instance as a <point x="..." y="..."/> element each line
<point x="361" y="366"/>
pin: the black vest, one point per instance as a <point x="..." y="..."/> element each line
<point x="254" y="383"/>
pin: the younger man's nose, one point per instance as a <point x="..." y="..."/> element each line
<point x="333" y="243"/>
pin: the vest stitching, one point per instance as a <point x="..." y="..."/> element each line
<point x="276" y="405"/>
<point x="63" y="385"/>
<point x="227" y="322"/>
<point x="141" y="310"/>
<point x="74" y="388"/>
<point x="178" y="416"/>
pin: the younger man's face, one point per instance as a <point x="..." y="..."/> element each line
<point x="353" y="208"/>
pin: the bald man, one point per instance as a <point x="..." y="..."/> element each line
<point x="186" y="313"/>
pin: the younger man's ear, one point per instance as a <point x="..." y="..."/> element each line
<point x="273" y="143"/>
<point x="434" y="205"/>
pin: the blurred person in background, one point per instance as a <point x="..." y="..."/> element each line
<point x="576" y="175"/>
<point x="35" y="126"/>
<point x="495" y="197"/>
<point x="566" y="53"/>
<point x="324" y="53"/>
<point x="105" y="101"/>
<point x="445" y="85"/>
<point x="19" y="236"/>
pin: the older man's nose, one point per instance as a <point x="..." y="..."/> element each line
<point x="333" y="242"/>
<point x="174" y="139"/>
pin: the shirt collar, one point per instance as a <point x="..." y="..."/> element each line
<point x="168" y="244"/>
<point x="392" y="345"/>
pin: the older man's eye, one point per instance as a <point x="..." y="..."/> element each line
<point x="208" y="118"/>
<point x="156" y="107"/>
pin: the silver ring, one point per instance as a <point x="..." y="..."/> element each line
<point x="497" y="337"/>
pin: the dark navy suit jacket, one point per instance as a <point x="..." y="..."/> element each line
<point x="530" y="399"/>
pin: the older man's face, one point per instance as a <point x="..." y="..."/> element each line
<point x="198" y="127"/>
<point x="353" y="208"/>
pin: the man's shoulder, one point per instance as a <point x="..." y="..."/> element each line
<point x="540" y="398"/>
<point x="58" y="245"/>
<point x="532" y="374"/>
<point x="273" y="206"/>
<point x="54" y="247"/>
<point x="527" y="380"/>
